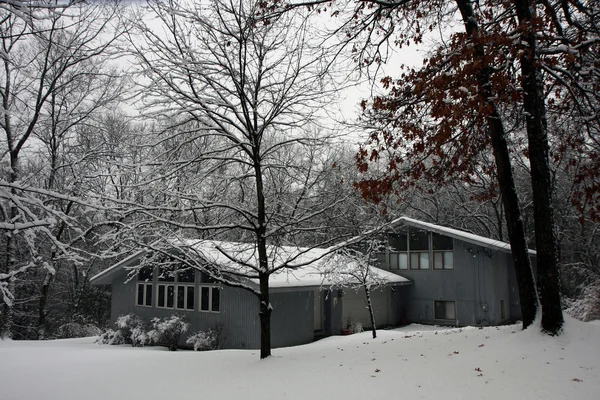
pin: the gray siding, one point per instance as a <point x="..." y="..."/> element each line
<point x="480" y="279"/>
<point x="291" y="321"/>
<point x="354" y="307"/>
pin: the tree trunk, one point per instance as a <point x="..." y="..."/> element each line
<point x="541" y="178"/>
<point x="43" y="312"/>
<point x="370" y="307"/>
<point x="265" y="317"/>
<point x="510" y="200"/>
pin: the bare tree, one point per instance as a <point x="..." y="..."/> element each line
<point x="42" y="59"/>
<point x="240" y="155"/>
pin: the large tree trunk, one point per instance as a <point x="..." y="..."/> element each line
<point x="43" y="311"/>
<point x="510" y="200"/>
<point x="370" y="308"/>
<point x="265" y="318"/>
<point x="541" y="178"/>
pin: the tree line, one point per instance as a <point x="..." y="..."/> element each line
<point x="232" y="139"/>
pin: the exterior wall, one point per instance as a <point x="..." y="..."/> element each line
<point x="354" y="307"/>
<point x="291" y="321"/>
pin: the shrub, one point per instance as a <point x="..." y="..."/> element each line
<point x="356" y="327"/>
<point x="75" y="330"/>
<point x="132" y="329"/>
<point x="209" y="340"/>
<point x="111" y="337"/>
<point x="586" y="308"/>
<point x="166" y="331"/>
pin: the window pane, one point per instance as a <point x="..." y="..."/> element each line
<point x="424" y="260"/>
<point x="414" y="260"/>
<point x="393" y="260"/>
<point x="418" y="239"/>
<point x="186" y="275"/>
<point x="145" y="274"/>
<point x="165" y="275"/>
<point x="190" y="298"/>
<point x="161" y="295"/>
<point x="403" y="260"/>
<point x="440" y="310"/>
<point x="170" y="296"/>
<point x="216" y="299"/>
<point x="206" y="278"/>
<point x="444" y="310"/>
<point x="450" y="312"/>
<point x="448" y="260"/>
<point x="438" y="260"/>
<point x="180" y="296"/>
<point x="149" y="294"/>
<point x="204" y="297"/>
<point x="441" y="242"/>
<point x="140" y="294"/>
<point x="398" y="241"/>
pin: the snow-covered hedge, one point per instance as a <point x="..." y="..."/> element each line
<point x="111" y="337"/>
<point x="167" y="331"/>
<point x="133" y="330"/>
<point x="586" y="308"/>
<point x="75" y="330"/>
<point x="209" y="340"/>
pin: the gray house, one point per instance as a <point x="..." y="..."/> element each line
<point x="434" y="275"/>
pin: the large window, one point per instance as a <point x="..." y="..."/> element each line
<point x="418" y="249"/>
<point x="445" y="310"/>
<point x="443" y="256"/>
<point x="143" y="294"/>
<point x="210" y="298"/>
<point x="176" y="289"/>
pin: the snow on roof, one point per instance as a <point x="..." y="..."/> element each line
<point x="456" y="234"/>
<point x="299" y="266"/>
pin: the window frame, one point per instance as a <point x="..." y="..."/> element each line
<point x="210" y="298"/>
<point x="444" y="254"/>
<point x="185" y="287"/>
<point x="435" y="308"/>
<point x="145" y="294"/>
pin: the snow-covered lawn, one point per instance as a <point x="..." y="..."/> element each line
<point x="416" y="362"/>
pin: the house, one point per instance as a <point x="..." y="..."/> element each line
<point x="302" y="304"/>
<point x="434" y="274"/>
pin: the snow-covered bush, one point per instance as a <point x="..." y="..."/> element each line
<point x="111" y="337"/>
<point x="356" y="327"/>
<point x="586" y="308"/>
<point x="75" y="330"/>
<point x="209" y="340"/>
<point x="132" y="329"/>
<point x="166" y="331"/>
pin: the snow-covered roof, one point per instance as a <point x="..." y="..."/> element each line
<point x="456" y="234"/>
<point x="304" y="267"/>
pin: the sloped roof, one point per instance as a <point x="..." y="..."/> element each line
<point x="306" y="266"/>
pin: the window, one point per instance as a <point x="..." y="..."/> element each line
<point x="143" y="294"/>
<point x="443" y="256"/>
<point x="445" y="310"/>
<point x="210" y="298"/>
<point x="180" y="293"/>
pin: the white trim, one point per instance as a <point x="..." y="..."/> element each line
<point x="137" y="293"/>
<point x="210" y="298"/>
<point x="185" y="296"/>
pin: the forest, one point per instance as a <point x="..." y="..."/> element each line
<point x="124" y="123"/>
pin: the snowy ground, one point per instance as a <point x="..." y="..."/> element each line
<point x="413" y="363"/>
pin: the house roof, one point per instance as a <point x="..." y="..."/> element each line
<point x="306" y="265"/>
<point x="456" y="234"/>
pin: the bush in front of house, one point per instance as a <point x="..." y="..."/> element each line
<point x="206" y="340"/>
<point x="167" y="331"/>
<point x="74" y="330"/>
<point x="111" y="337"/>
<point x="132" y="329"/>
